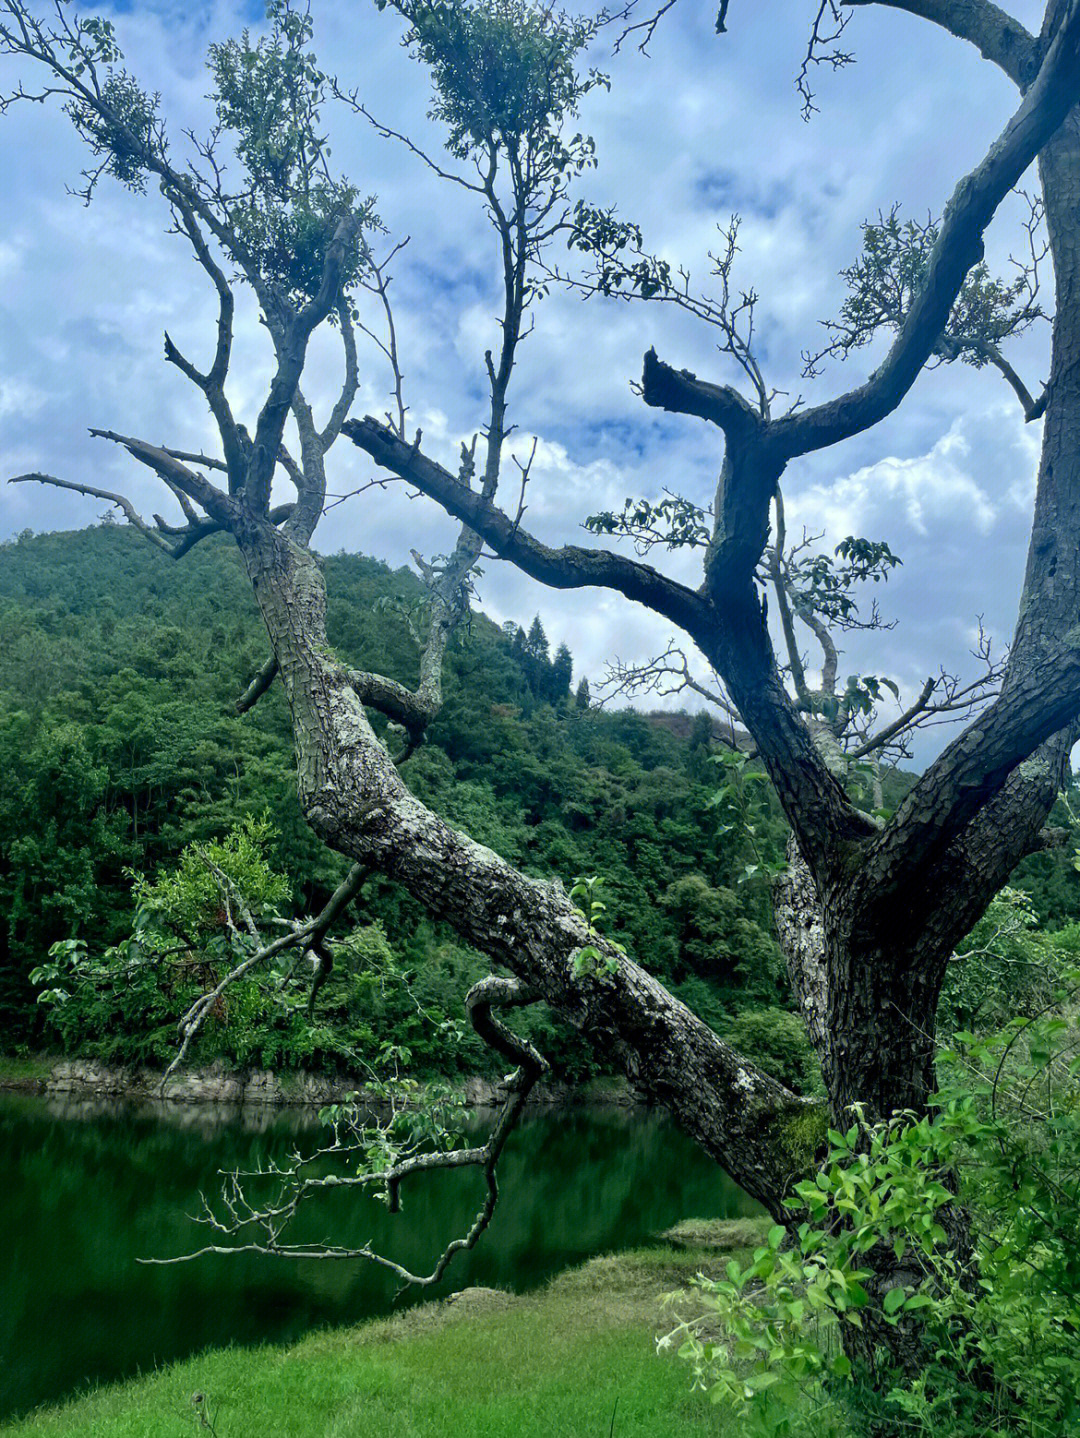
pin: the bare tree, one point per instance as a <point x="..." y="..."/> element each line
<point x="870" y="911"/>
<point x="979" y="807"/>
<point x="881" y="904"/>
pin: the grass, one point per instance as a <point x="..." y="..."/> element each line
<point x="553" y="1364"/>
<point x="24" y="1070"/>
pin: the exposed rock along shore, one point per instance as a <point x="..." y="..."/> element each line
<point x="89" y="1078"/>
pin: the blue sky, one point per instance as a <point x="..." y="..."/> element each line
<point x="705" y="126"/>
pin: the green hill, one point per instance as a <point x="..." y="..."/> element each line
<point x="119" y="744"/>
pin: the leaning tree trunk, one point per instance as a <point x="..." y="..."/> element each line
<point x="355" y="800"/>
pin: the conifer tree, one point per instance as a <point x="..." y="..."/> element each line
<point x="562" y="673"/>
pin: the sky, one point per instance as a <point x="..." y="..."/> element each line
<point x="702" y="127"/>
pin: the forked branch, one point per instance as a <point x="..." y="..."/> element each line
<point x="175" y="540"/>
<point x="309" y="935"/>
<point x="358" y="1153"/>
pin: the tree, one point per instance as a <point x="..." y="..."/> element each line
<point x="872" y="908"/>
<point x="562" y="674"/>
<point x="870" y="911"/>
<point x="893" y="899"/>
<point x="536" y="641"/>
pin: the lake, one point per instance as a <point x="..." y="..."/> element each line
<point x="87" y="1189"/>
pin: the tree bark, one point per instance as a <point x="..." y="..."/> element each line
<point x="355" y="800"/>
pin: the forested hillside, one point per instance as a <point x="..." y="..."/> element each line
<point x="120" y="744"/>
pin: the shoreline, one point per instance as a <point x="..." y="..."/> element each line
<point x="53" y="1077"/>
<point x="560" y="1358"/>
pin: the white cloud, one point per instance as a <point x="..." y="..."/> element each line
<point x="11" y="256"/>
<point x="19" y="398"/>
<point x="915" y="493"/>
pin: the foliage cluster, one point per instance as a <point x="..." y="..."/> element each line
<point x="500" y="78"/>
<point x="267" y="97"/>
<point x="891" y="271"/>
<point x="819" y="585"/>
<point x="279" y="215"/>
<point x="546" y="677"/>
<point x="190" y="928"/>
<point x="788" y="1340"/>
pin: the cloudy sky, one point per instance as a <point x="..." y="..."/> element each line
<point x="703" y="127"/>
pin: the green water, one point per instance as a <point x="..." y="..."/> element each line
<point x="88" y="1190"/>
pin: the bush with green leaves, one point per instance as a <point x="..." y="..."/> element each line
<point x="977" y="1206"/>
<point x="193" y="924"/>
<point x="776" y="1039"/>
<point x="1007" y="966"/>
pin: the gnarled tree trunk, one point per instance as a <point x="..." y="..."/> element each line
<point x="355" y="800"/>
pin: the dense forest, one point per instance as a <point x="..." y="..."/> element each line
<point x="120" y="746"/>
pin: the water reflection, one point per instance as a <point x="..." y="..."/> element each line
<point x="205" y="1119"/>
<point x="90" y="1187"/>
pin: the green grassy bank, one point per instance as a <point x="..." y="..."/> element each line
<point x="25" y="1071"/>
<point x="553" y="1364"/>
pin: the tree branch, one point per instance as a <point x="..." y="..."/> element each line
<point x="392" y="699"/>
<point x="291" y="346"/>
<point x="175" y="539"/>
<point x="1033" y="408"/>
<point x="357" y="802"/>
<point x="216" y="504"/>
<point x="258" y="686"/>
<point x="997" y="36"/>
<point x="978" y="864"/>
<point x="121" y="501"/>
<point x="309" y="476"/>
<point x="830" y="658"/>
<point x="309" y="935"/>
<point x="569" y="567"/>
<point x="882" y="737"/>
<point x="680" y="392"/>
<point x="349" y="385"/>
<point x="779" y="583"/>
<point x="296" y="1187"/>
<point x="969" y="773"/>
<point x="212" y="383"/>
<point x="669" y="673"/>
<point x="959" y="246"/>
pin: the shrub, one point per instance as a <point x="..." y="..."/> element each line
<point x="997" y="1333"/>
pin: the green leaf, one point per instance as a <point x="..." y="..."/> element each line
<point x="764" y="1378"/>
<point x="917" y="1300"/>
